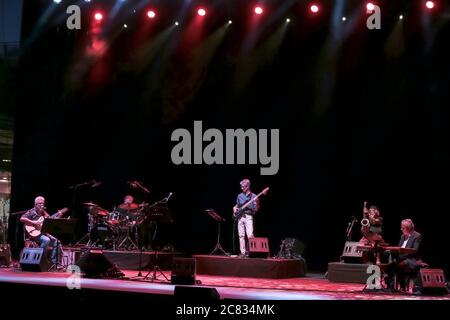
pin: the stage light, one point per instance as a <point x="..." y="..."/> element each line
<point x="314" y="8"/>
<point x="98" y="16"/>
<point x="401" y="17"/>
<point x="57" y="1"/>
<point x="288" y="20"/>
<point x="344" y="18"/>
<point x="176" y="23"/>
<point x="429" y="4"/>
<point x="258" y="10"/>
<point x="151" y="14"/>
<point x="230" y="22"/>
<point x="370" y="6"/>
<point x="125" y="26"/>
<point x="87" y="0"/>
<point x="201" y="12"/>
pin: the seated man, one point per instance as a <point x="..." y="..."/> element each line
<point x="32" y="218"/>
<point x="405" y="264"/>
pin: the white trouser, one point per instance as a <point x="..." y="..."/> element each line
<point x="245" y="225"/>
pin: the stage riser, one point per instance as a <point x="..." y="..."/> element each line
<point x="347" y="272"/>
<point x="127" y="260"/>
<point x="252" y="268"/>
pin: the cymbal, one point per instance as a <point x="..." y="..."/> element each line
<point x="102" y="212"/>
<point x="90" y="204"/>
<point x="131" y="206"/>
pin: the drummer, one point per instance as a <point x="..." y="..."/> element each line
<point x="128" y="208"/>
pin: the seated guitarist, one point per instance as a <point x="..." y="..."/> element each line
<point x="245" y="222"/>
<point x="31" y="218"/>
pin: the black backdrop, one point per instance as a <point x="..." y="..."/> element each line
<point x="356" y="123"/>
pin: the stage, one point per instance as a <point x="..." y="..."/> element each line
<point x="132" y="288"/>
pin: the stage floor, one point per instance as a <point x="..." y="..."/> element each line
<point x="311" y="287"/>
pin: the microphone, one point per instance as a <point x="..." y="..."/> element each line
<point x="132" y="184"/>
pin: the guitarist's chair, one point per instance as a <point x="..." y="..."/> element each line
<point x="29" y="242"/>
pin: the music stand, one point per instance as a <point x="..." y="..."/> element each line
<point x="58" y="227"/>
<point x="219" y="220"/>
<point x="157" y="214"/>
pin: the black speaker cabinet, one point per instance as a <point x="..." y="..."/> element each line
<point x="34" y="259"/>
<point x="351" y="253"/>
<point x="196" y="294"/>
<point x="432" y="281"/>
<point x="94" y="264"/>
<point x="258" y="247"/>
<point x="183" y="271"/>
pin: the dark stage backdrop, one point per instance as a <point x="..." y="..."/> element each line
<point x="363" y="116"/>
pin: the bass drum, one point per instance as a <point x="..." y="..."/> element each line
<point x="101" y="235"/>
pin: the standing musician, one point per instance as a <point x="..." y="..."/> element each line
<point x="245" y="222"/>
<point x="372" y="224"/>
<point x="32" y="218"/>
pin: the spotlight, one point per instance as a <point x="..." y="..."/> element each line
<point x="176" y="23"/>
<point x="230" y="22"/>
<point x="429" y="4"/>
<point x="98" y="16"/>
<point x="87" y="0"/>
<point x="57" y="1"/>
<point x="370" y="6"/>
<point x="258" y="10"/>
<point x="344" y="18"/>
<point x="401" y="17"/>
<point x="125" y="26"/>
<point x="151" y="14"/>
<point x="288" y="20"/>
<point x="314" y="8"/>
<point x="201" y="12"/>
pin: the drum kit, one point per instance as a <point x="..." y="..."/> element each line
<point x="116" y="230"/>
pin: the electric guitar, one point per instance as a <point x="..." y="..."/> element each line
<point x="35" y="231"/>
<point x="240" y="211"/>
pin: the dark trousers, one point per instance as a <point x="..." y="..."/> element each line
<point x="403" y="269"/>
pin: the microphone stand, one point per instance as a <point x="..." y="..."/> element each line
<point x="348" y="233"/>
<point x="139" y="275"/>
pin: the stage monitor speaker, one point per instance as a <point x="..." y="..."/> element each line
<point x="94" y="264"/>
<point x="259" y="247"/>
<point x="432" y="281"/>
<point x="196" y="294"/>
<point x="183" y="271"/>
<point x="5" y="255"/>
<point x="351" y="253"/>
<point x="34" y="259"/>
